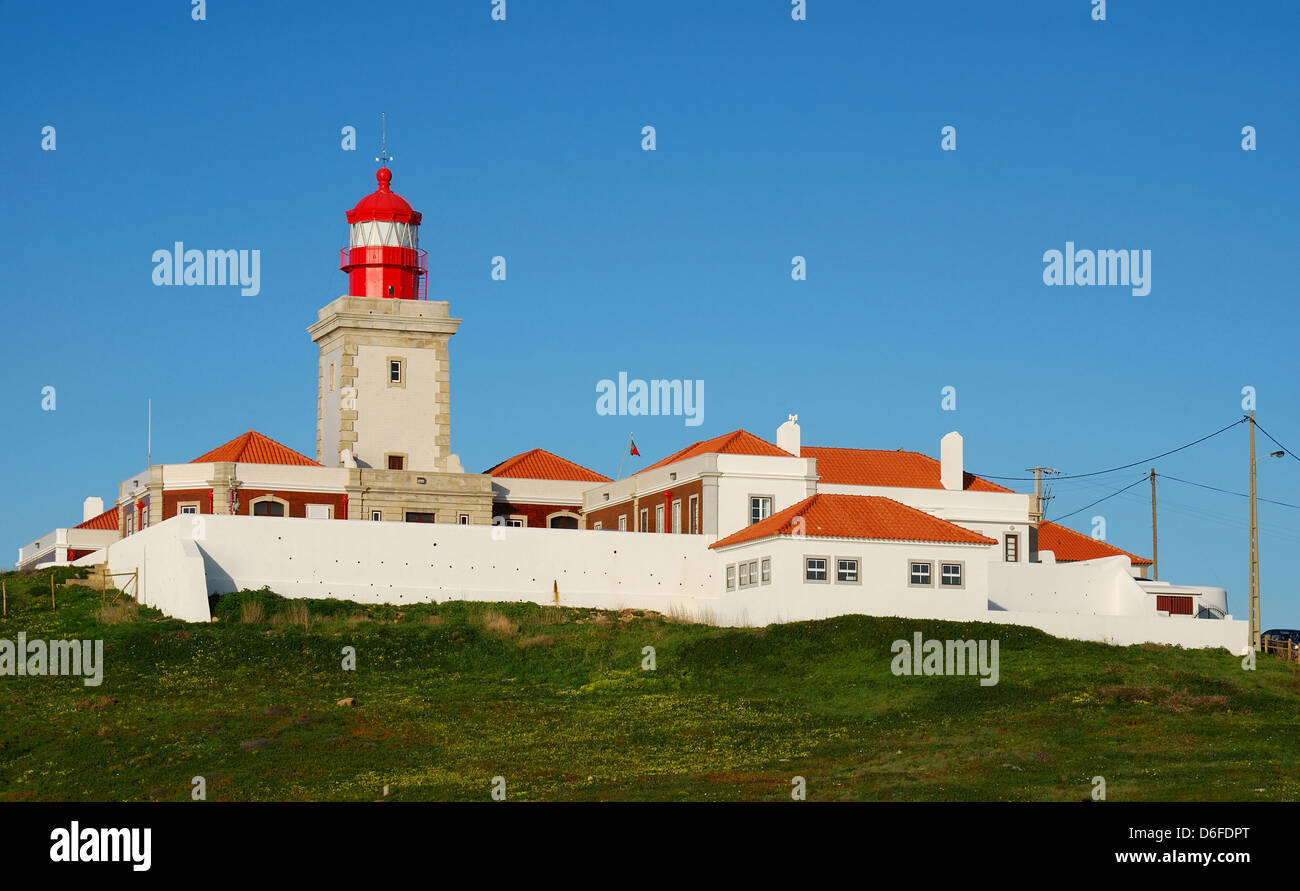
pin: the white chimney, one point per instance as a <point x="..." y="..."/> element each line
<point x="950" y="464"/>
<point x="91" y="508"/>
<point x="787" y="436"/>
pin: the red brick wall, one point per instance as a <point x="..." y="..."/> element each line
<point x="536" y="513"/>
<point x="172" y="501"/>
<point x="607" y="515"/>
<point x="298" y="501"/>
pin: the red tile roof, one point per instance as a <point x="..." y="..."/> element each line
<point x="254" y="448"/>
<point x="1069" y="545"/>
<point x="540" y="464"/>
<point x="737" y="442"/>
<point x="857" y="516"/>
<point x="878" y="467"/>
<point x="106" y="520"/>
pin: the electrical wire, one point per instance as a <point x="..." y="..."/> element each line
<point x="1100" y="500"/>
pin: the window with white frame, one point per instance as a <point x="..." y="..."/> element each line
<point x="463" y="520"/>
<point x="767" y="570"/>
<point x="376" y="515"/>
<point x="597" y="525"/>
<point x="814" y="569"/>
<point x="659" y="518"/>
<point x="760" y="508"/>
<point x="950" y="575"/>
<point x="744" y="575"/>
<point x="396" y="372"/>
<point x="920" y="574"/>
<point x="677" y="516"/>
<point x="645" y="519"/>
<point x="1011" y="548"/>
<point x="731" y="577"/>
<point x="846" y="569"/>
<point x="516" y="522"/>
<point x="695" y="515"/>
<point x="753" y="572"/>
<point x="622" y="523"/>
<point x="191" y="507"/>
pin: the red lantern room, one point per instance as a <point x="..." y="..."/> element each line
<point x="383" y="256"/>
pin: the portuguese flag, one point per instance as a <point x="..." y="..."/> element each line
<point x="632" y="447"/>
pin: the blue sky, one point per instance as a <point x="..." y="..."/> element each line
<point x="775" y="138"/>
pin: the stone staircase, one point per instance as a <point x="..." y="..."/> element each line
<point x="97" y="578"/>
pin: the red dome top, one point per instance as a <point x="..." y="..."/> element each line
<point x="383" y="204"/>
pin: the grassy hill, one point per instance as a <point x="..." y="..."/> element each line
<point x="554" y="700"/>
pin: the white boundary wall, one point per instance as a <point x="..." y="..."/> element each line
<point x="181" y="562"/>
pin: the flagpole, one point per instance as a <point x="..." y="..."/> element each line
<point x="624" y="458"/>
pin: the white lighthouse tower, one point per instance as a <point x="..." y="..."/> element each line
<point x="385" y="373"/>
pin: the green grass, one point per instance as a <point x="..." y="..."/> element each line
<point x="554" y="700"/>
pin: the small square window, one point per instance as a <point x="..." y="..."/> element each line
<point x="515" y="523"/>
<point x="376" y="515"/>
<point x="463" y="520"/>
<point x="921" y="574"/>
<point x="396" y="462"/>
<point x="846" y="570"/>
<point x="760" y="508"/>
<point x="189" y="508"/>
<point x="597" y="525"/>
<point x="815" y="569"/>
<point x="950" y="575"/>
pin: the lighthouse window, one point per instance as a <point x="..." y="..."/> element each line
<point x="396" y="371"/>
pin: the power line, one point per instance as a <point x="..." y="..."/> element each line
<point x="1226" y="491"/>
<point x="1070" y="476"/>
<point x="1276" y="443"/>
<point x="1143" y="479"/>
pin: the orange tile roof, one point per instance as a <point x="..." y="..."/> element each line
<point x="737" y="442"/>
<point x="254" y="448"/>
<point x="857" y="516"/>
<point x="106" y="520"/>
<point x="539" y="464"/>
<point x="878" y="467"/>
<point x="1069" y="545"/>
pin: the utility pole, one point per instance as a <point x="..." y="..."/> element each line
<point x="1254" y="545"/>
<point x="1155" y="542"/>
<point x="1037" y="510"/>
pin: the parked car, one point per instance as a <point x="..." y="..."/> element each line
<point x="1289" y="637"/>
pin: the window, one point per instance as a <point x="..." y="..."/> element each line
<point x="190" y="508"/>
<point x="950" y="575"/>
<point x="413" y="516"/>
<point x="846" y="569"/>
<point x="396" y="371"/>
<point x="760" y="508"/>
<point x="268" y="508"/>
<point x="331" y="377"/>
<point x="731" y="577"/>
<point x="319" y="512"/>
<point x="645" y="519"/>
<point x="1011" y="548"/>
<point x="659" y="518"/>
<point x="563" y="522"/>
<point x="753" y="572"/>
<point x="516" y="522"/>
<point x="622" y="523"/>
<point x="677" y="516"/>
<point x="396" y="462"/>
<point x="376" y="515"/>
<point x="814" y="569"/>
<point x="463" y="520"/>
<point x="767" y="570"/>
<point x="695" y="514"/>
<point x="920" y="574"/>
<point x="744" y="575"/>
<point x="597" y="525"/>
<point x="130" y="522"/>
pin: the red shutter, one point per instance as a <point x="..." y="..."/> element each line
<point x="1174" y="605"/>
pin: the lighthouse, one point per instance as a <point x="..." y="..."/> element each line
<point x="383" y="256"/>
<point x="384" y="380"/>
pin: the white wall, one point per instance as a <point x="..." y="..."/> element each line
<point x="398" y="419"/>
<point x="406" y="563"/>
<point x="787" y="480"/>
